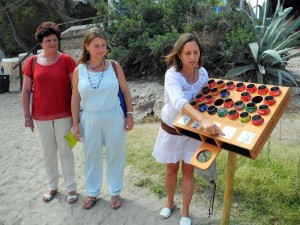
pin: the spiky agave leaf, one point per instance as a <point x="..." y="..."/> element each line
<point x="290" y="27"/>
<point x="260" y="77"/>
<point x="290" y="41"/>
<point x="282" y="75"/>
<point x="254" y="50"/>
<point x="285" y="58"/>
<point x="285" y="51"/>
<point x="271" y="58"/>
<point x="271" y="34"/>
<point x="237" y="71"/>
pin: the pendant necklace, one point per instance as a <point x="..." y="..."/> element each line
<point x="101" y="76"/>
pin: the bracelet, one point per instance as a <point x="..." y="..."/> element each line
<point x="28" y="118"/>
<point x="130" y="113"/>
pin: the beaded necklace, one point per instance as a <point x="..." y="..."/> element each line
<point x="101" y="76"/>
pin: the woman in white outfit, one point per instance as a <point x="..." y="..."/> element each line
<point x="101" y="122"/>
<point x="183" y="81"/>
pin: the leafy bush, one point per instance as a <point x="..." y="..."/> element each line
<point x="143" y="32"/>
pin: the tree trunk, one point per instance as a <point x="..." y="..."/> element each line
<point x="61" y="10"/>
<point x="19" y="41"/>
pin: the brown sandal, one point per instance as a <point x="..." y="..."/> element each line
<point x="89" y="202"/>
<point x="115" y="202"/>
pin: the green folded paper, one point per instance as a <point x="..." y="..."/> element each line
<point x="70" y="139"/>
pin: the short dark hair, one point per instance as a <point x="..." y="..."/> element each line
<point x="45" y="29"/>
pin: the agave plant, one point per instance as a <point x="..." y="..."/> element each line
<point x="274" y="38"/>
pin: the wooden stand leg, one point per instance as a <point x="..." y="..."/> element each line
<point x="231" y="165"/>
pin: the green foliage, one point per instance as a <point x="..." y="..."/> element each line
<point x="274" y="38"/>
<point x="82" y="10"/>
<point x="148" y="30"/>
<point x="237" y="40"/>
<point x="29" y="16"/>
<point x="26" y="20"/>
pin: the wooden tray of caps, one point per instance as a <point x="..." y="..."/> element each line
<point x="246" y="113"/>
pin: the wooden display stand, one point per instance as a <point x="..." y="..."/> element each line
<point x="246" y="113"/>
<point x="243" y="138"/>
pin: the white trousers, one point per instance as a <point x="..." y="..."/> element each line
<point x="52" y="134"/>
<point x="105" y="129"/>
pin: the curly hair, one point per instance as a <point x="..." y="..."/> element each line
<point x="172" y="58"/>
<point x="45" y="29"/>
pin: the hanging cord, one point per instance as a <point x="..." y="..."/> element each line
<point x="212" y="199"/>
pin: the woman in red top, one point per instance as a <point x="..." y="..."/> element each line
<point x="50" y="74"/>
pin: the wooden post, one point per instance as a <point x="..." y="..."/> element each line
<point x="231" y="165"/>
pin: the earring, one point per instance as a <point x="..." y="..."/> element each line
<point x="87" y="52"/>
<point x="180" y="63"/>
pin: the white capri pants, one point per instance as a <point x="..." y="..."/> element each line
<point x="52" y="134"/>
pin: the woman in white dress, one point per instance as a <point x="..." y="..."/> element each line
<point x="183" y="81"/>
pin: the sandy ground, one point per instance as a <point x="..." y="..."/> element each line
<point x="23" y="181"/>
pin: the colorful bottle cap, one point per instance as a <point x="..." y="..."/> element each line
<point x="262" y="90"/>
<point x="269" y="100"/>
<point x="257" y="120"/>
<point x="251" y="88"/>
<point x="200" y="97"/>
<point x="251" y="107"/>
<point x="240" y="87"/>
<point x="239" y="105"/>
<point x="275" y="91"/>
<point x="214" y="91"/>
<point x="228" y="103"/>
<point x="222" y="112"/>
<point x="212" y="83"/>
<point x="220" y="84"/>
<point x="209" y="99"/>
<point x="263" y="110"/>
<point x="202" y="107"/>
<point x="230" y="85"/>
<point x="233" y="114"/>
<point x="245" y="117"/>
<point x="224" y="93"/>
<point x="205" y="90"/>
<point x="245" y="96"/>
<point x="212" y="109"/>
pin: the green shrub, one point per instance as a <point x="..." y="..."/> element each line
<point x="142" y="32"/>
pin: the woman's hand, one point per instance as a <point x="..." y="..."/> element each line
<point x="129" y="122"/>
<point x="76" y="132"/>
<point x="210" y="127"/>
<point x="29" y="123"/>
